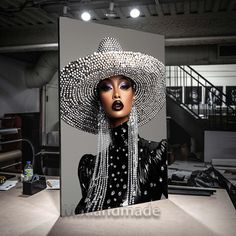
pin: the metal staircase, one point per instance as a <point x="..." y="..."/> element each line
<point x="194" y="105"/>
<point x="205" y="102"/>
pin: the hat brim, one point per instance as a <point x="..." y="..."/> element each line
<point x="79" y="80"/>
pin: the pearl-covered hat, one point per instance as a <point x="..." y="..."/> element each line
<point x="79" y="80"/>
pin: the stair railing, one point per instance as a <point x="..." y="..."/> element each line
<point x="199" y="96"/>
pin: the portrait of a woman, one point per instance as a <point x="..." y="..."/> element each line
<point x="110" y="93"/>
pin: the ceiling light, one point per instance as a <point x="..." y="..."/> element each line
<point x="85" y="16"/>
<point x="134" y="13"/>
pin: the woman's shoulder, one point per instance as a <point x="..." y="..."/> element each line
<point x="153" y="146"/>
<point x="152" y="160"/>
<point x="86" y="165"/>
<point x="86" y="159"/>
<point x="153" y="152"/>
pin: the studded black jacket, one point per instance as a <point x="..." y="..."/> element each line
<point x="152" y="171"/>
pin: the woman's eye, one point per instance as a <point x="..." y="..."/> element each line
<point x="125" y="86"/>
<point x="105" y="87"/>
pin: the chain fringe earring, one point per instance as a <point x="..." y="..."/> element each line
<point x="98" y="185"/>
<point x="132" y="155"/>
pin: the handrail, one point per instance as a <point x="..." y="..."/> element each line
<point x="184" y="105"/>
<point x="212" y="85"/>
<point x="206" y="86"/>
<point x="217" y="111"/>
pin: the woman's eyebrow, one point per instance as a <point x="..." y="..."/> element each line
<point x="109" y="80"/>
<point x="124" y="80"/>
<point x="105" y="80"/>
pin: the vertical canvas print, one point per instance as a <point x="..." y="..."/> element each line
<point x="193" y="95"/>
<point x="231" y="95"/>
<point x="113" y="117"/>
<point x="213" y="95"/>
<point x="176" y="92"/>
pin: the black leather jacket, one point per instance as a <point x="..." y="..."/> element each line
<point x="152" y="172"/>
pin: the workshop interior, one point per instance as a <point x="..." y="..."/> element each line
<point x="198" y="48"/>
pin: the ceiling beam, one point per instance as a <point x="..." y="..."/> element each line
<point x="200" y="40"/>
<point x="29" y="35"/>
<point x="159" y="8"/>
<point x="18" y="22"/>
<point x="30" y="48"/>
<point x="34" y="17"/>
<point x="41" y="13"/>
<point x="168" y="42"/>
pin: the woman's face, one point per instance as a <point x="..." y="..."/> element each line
<point x="116" y="95"/>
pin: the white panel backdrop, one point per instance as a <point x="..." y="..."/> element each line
<point x="78" y="39"/>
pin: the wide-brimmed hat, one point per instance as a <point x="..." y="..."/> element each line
<point x="79" y="79"/>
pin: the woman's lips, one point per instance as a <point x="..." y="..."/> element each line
<point x="117" y="105"/>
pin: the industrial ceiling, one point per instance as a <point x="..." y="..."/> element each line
<point x="182" y="22"/>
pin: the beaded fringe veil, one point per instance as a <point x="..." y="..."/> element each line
<point x="98" y="185"/>
<point x="132" y="156"/>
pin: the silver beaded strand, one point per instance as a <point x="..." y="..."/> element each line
<point x="98" y="185"/>
<point x="132" y="155"/>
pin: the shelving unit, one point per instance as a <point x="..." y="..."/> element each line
<point x="11" y="144"/>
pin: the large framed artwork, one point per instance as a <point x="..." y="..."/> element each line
<point x="213" y="95"/>
<point x="113" y="117"/>
<point x="193" y="95"/>
<point x="231" y="95"/>
<point x="176" y="92"/>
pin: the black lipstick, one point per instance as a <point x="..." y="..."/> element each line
<point x="117" y="105"/>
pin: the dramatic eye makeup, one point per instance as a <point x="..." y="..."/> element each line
<point x="105" y="86"/>
<point x="125" y="85"/>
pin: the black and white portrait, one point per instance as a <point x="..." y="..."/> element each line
<point x="193" y="95"/>
<point x="231" y="95"/>
<point x="176" y="92"/>
<point x="213" y="95"/>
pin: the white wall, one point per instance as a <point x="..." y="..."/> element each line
<point x="218" y="75"/>
<point x="15" y="97"/>
<point x="219" y="145"/>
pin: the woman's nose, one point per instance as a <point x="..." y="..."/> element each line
<point x="116" y="94"/>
